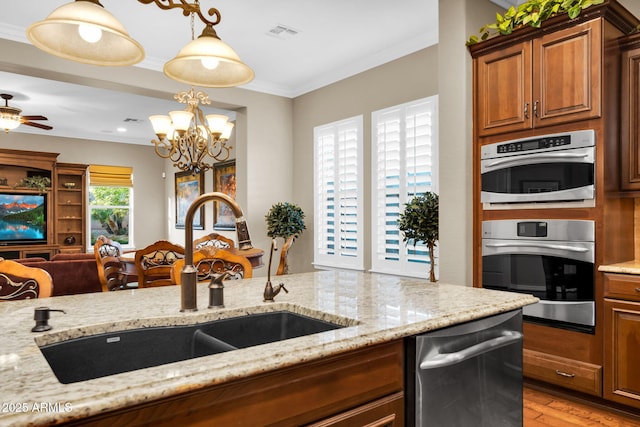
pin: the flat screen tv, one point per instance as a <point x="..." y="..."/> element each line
<point x="23" y="218"/>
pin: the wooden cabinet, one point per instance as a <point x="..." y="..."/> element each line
<point x="359" y="387"/>
<point x="552" y="79"/>
<point x="71" y="207"/>
<point x="562" y="371"/>
<point x="622" y="339"/>
<point x="630" y="115"/>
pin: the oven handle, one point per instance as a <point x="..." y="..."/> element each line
<point x="536" y="158"/>
<point x="538" y="245"/>
<point x="440" y="360"/>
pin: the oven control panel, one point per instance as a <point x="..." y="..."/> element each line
<point x="534" y="144"/>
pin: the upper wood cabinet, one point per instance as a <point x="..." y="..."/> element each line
<point x="630" y="115"/>
<point x="552" y="79"/>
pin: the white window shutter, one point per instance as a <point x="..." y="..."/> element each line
<point x="404" y="164"/>
<point x="339" y="197"/>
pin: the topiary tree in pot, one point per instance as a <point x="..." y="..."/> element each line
<point x="285" y="220"/>
<point x="419" y="223"/>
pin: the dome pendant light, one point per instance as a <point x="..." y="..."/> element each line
<point x="84" y="31"/>
<point x="208" y="61"/>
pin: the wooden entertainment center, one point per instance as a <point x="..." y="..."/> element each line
<point x="65" y="201"/>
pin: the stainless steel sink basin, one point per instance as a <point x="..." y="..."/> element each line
<point x="112" y="353"/>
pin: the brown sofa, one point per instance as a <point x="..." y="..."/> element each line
<point x="71" y="273"/>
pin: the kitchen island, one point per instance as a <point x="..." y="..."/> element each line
<point x="375" y="310"/>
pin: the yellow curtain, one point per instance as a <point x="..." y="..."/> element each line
<point x="117" y="176"/>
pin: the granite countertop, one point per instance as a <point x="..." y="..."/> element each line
<point x="375" y="308"/>
<point x="627" y="267"/>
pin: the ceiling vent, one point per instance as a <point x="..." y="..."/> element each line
<point x="282" y="32"/>
<point x="130" y="120"/>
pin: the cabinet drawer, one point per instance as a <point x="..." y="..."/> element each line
<point x="576" y="375"/>
<point x="622" y="286"/>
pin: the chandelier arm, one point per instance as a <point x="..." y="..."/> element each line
<point x="164" y="148"/>
<point x="187" y="9"/>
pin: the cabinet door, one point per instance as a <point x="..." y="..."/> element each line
<point x="630" y="124"/>
<point x="622" y="341"/>
<point x="503" y="90"/>
<point x="566" y="75"/>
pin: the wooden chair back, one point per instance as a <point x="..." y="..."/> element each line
<point x="19" y="282"/>
<point x="211" y="261"/>
<point x="112" y="271"/>
<point x="154" y="263"/>
<point x="214" y="240"/>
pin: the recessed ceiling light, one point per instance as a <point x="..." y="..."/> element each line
<point x="121" y="129"/>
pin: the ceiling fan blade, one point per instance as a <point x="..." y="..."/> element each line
<point x="38" y="125"/>
<point x="24" y="118"/>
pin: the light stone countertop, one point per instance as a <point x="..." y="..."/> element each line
<point x="381" y="308"/>
<point x="627" y="267"/>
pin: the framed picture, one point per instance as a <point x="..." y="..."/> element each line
<point x="224" y="181"/>
<point x="188" y="188"/>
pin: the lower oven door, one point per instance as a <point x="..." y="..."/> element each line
<point x="560" y="273"/>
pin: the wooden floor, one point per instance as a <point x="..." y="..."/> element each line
<point x="546" y="410"/>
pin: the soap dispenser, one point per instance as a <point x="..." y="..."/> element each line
<point x="41" y="316"/>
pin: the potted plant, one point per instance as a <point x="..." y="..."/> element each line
<point x="532" y="13"/>
<point x="419" y="223"/>
<point x="40" y="183"/>
<point x="285" y="220"/>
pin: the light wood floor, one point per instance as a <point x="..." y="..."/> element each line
<point x="546" y="410"/>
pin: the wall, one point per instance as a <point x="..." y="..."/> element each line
<point x="148" y="206"/>
<point x="263" y="135"/>
<point x="406" y="79"/>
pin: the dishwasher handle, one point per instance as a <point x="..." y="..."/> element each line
<point x="440" y="360"/>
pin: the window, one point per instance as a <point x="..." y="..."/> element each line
<point x="338" y="199"/>
<point x="404" y="164"/>
<point x="110" y="196"/>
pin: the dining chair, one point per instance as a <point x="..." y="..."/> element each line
<point x="213" y="240"/>
<point x="18" y="282"/>
<point x="154" y="263"/>
<point x="210" y="262"/>
<point x="112" y="271"/>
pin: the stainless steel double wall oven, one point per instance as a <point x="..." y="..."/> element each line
<point x="553" y="259"/>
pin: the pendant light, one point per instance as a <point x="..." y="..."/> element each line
<point x="84" y="31"/>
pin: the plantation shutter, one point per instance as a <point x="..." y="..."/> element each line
<point x="404" y="156"/>
<point x="338" y="198"/>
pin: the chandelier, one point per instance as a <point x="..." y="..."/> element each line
<point x="189" y="138"/>
<point x="84" y="31"/>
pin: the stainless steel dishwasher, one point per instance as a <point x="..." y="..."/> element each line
<point x="467" y="375"/>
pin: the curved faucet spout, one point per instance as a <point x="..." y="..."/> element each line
<point x="189" y="273"/>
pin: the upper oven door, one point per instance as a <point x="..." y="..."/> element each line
<point x="546" y="176"/>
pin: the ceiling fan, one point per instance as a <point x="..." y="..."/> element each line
<point x="10" y="117"/>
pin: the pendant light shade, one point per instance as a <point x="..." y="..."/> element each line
<point x="208" y="61"/>
<point x="84" y="31"/>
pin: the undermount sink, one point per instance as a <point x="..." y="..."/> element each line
<point x="105" y="354"/>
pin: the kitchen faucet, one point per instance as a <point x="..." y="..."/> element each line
<point x="188" y="275"/>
